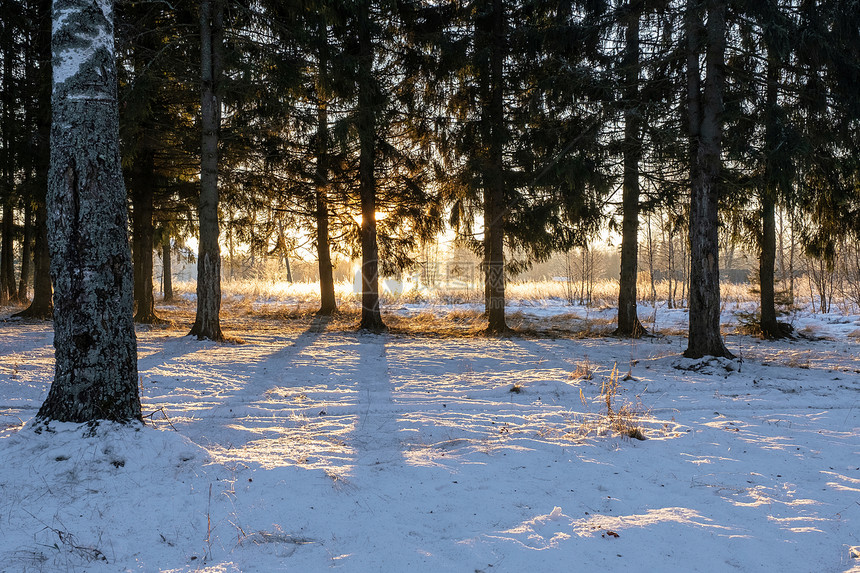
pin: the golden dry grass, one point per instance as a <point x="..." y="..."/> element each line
<point x="247" y="299"/>
<point x="306" y="294"/>
<point x="619" y="417"/>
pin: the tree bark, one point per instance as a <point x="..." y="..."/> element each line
<point x="8" y="292"/>
<point x="705" y="114"/>
<point x="166" y="269"/>
<point x="143" y="196"/>
<point x="94" y="340"/>
<point x="288" y="268"/>
<point x="26" y="250"/>
<point x="371" y="316"/>
<point x="207" y="324"/>
<point x="494" y="182"/>
<point x="328" y="303"/>
<point x="628" y="320"/>
<point x="767" y="259"/>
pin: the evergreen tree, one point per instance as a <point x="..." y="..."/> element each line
<point x="207" y="324"/>
<point x="368" y="100"/>
<point x="157" y="94"/>
<point x="523" y="136"/>
<point x="828" y="115"/>
<point x="628" y="320"/>
<point x="705" y="115"/>
<point x="11" y="32"/>
<point x="41" y="307"/>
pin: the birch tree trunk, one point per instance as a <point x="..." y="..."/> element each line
<point x="96" y="350"/>
<point x="207" y="323"/>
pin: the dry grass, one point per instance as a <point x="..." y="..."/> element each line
<point x="262" y="290"/>
<point x="624" y="419"/>
<point x="458" y="323"/>
<point x="298" y="301"/>
<point x="604" y="292"/>
<point x="584" y="370"/>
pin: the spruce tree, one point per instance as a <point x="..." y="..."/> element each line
<point x="704" y="110"/>
<point x="207" y="323"/>
<point x="628" y="320"/>
<point x="41" y="307"/>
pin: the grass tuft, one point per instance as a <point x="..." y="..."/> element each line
<point x="622" y="419"/>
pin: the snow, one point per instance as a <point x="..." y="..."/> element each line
<point x="311" y="448"/>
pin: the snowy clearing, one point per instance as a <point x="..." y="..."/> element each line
<point x="309" y="447"/>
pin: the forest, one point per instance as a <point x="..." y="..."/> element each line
<point x="158" y="423"/>
<point x="365" y="131"/>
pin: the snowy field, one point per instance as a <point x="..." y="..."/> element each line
<point x="308" y="447"/>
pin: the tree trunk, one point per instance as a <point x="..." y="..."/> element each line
<point x="94" y="340"/>
<point x="769" y="325"/>
<point x="767" y="258"/>
<point x="628" y="321"/>
<point x="208" y="323"/>
<point x="371" y="316"/>
<point x="143" y="193"/>
<point x="288" y="269"/>
<point x="26" y="250"/>
<point x="494" y="182"/>
<point x="42" y="305"/>
<point x="8" y="293"/>
<point x="328" y="303"/>
<point x="166" y="269"/>
<point x="705" y="115"/>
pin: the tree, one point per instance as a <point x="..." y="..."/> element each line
<point x="385" y="144"/>
<point x="41" y="306"/>
<point x="522" y="135"/>
<point x="207" y="323"/>
<point x="143" y="101"/>
<point x="96" y="350"/>
<point x="828" y="114"/>
<point x="368" y="101"/>
<point x="628" y="320"/>
<point x="328" y="303"/>
<point x="10" y="39"/>
<point x="704" y="109"/>
<point x="765" y="142"/>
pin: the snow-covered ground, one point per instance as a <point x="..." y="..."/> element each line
<point x="311" y="447"/>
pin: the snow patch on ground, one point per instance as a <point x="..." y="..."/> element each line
<point x="312" y="449"/>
